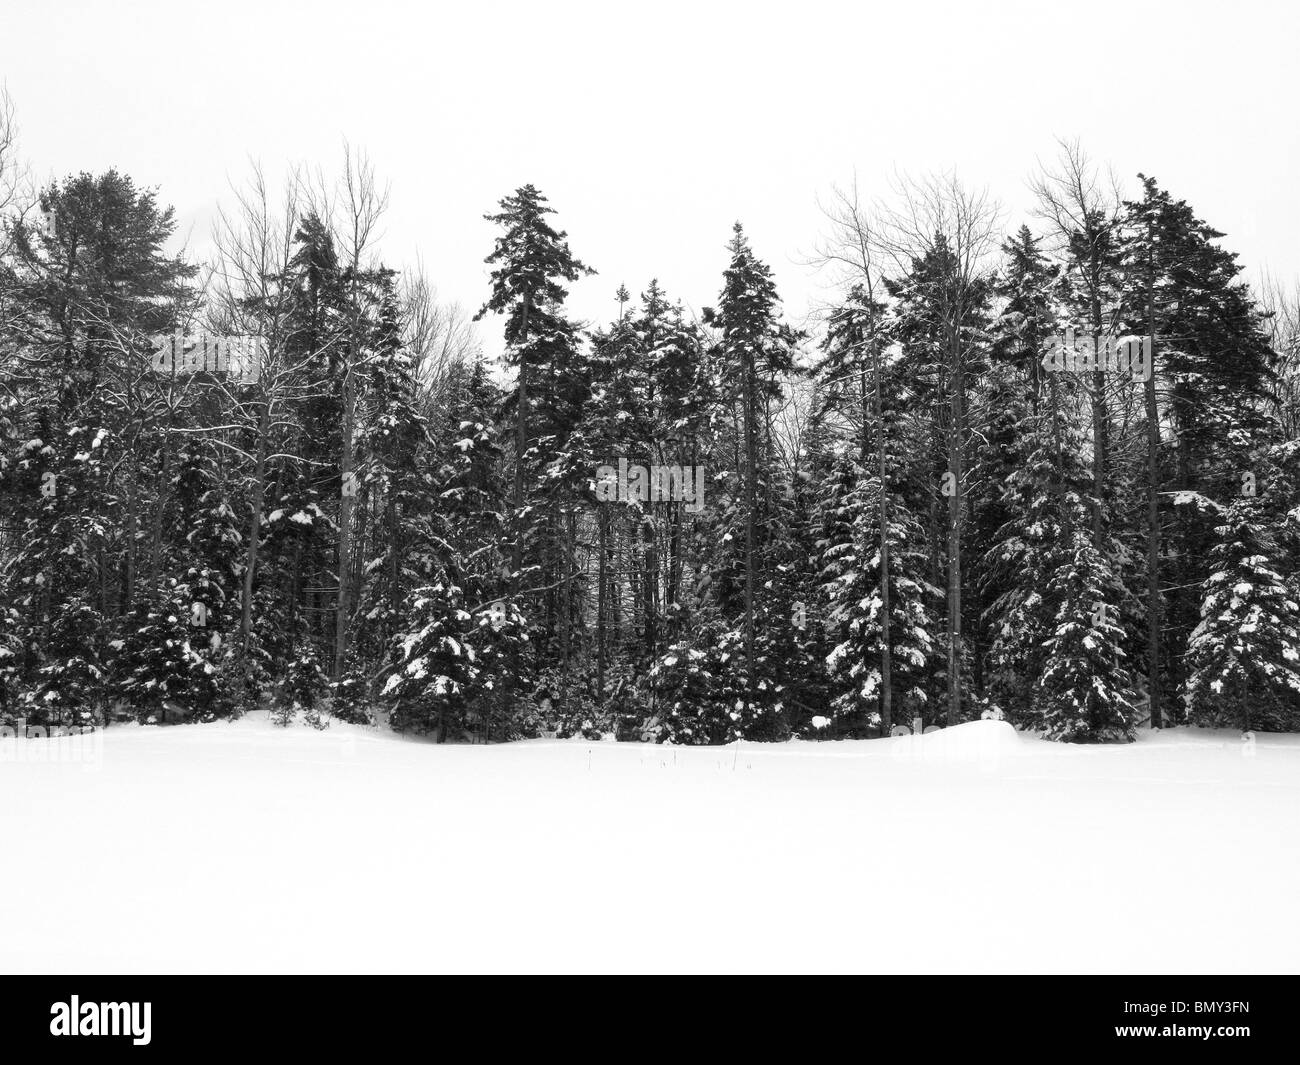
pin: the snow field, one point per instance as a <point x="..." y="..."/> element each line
<point x="240" y="847"/>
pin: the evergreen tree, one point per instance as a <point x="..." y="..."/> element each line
<point x="531" y="260"/>
<point x="393" y="445"/>
<point x="702" y="687"/>
<point x="756" y="353"/>
<point x="852" y="576"/>
<point x="1085" y="693"/>
<point x="1244" y="656"/>
<point x="434" y="672"/>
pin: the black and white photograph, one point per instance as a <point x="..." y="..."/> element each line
<point x="650" y="489"/>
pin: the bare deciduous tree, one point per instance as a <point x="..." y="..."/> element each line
<point x="437" y="335"/>
<point x="1283" y="308"/>
<point x="254" y="248"/>
<point x="1083" y="211"/>
<point x="15" y="200"/>
<point x="359" y="207"/>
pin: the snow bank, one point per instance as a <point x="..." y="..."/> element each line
<point x="973" y="741"/>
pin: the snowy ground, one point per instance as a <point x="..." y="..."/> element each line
<point x="243" y="848"/>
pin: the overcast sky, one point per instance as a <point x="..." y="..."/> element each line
<point x="653" y="127"/>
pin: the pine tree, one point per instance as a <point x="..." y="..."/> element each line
<point x="162" y="667"/>
<point x="88" y="293"/>
<point x="435" y="669"/>
<point x="62" y="629"/>
<point x="1027" y="317"/>
<point x="530" y="260"/>
<point x="939" y="320"/>
<point x="849" y="548"/>
<point x="301" y="690"/>
<point x="1045" y="489"/>
<point x="702" y="687"/>
<point x="392" y="448"/>
<point x="1085" y="692"/>
<point x="756" y="355"/>
<point x="1209" y="357"/>
<point x="1244" y="656"/>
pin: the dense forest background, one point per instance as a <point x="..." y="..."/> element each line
<point x="906" y="514"/>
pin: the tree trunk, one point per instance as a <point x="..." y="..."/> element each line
<point x="521" y="446"/>
<point x="954" y="537"/>
<point x="886" y="641"/>
<point x="254" y="530"/>
<point x="1153" y="520"/>
<point x="1100" y="424"/>
<point x="751" y="504"/>
<point x="602" y="520"/>
<point x="128" y="590"/>
<point x="345" y="516"/>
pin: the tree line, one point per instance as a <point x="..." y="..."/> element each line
<point x="906" y="513"/>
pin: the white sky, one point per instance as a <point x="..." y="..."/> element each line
<point x="653" y="128"/>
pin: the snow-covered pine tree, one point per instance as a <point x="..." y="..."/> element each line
<point x="87" y="293"/>
<point x="1027" y="317"/>
<point x="531" y="261"/>
<point x="756" y="354"/>
<point x="10" y="663"/>
<point x="392" y="452"/>
<point x="1210" y="368"/>
<point x="1044" y="483"/>
<point x="210" y="561"/>
<point x="162" y="667"/>
<point x="615" y="424"/>
<point x="1086" y="690"/>
<point x="1244" y="656"/>
<point x="457" y="553"/>
<point x="849" y="548"/>
<point x="301" y="689"/>
<point x="62" y="629"/>
<point x="434" y="669"/>
<point x="939" y="320"/>
<point x="701" y="686"/>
